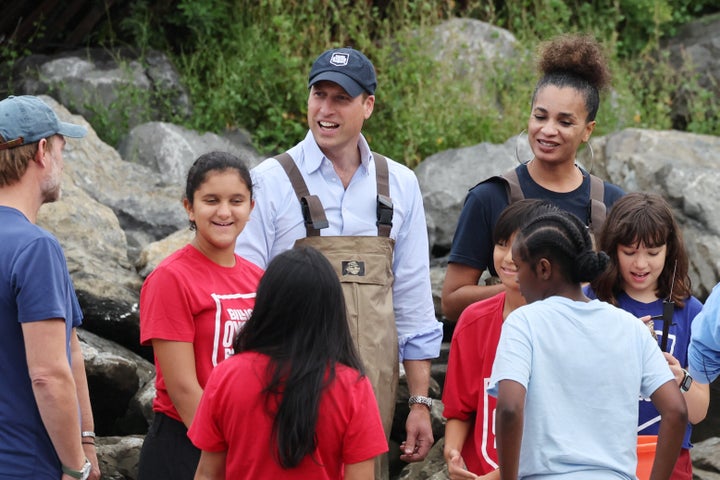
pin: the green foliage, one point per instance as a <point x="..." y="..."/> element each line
<point x="11" y="52"/>
<point x="245" y="64"/>
<point x="254" y="74"/>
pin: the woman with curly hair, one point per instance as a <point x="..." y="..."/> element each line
<point x="564" y="104"/>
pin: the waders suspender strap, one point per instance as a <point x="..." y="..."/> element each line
<point x="312" y="209"/>
<point x="596" y="207"/>
<point x="384" y="203"/>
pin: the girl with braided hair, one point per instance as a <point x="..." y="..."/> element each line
<point x="568" y="370"/>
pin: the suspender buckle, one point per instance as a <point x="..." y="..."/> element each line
<point x="313" y="212"/>
<point x="384" y="211"/>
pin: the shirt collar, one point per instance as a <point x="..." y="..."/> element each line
<point x="313" y="156"/>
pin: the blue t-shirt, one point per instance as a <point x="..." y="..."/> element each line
<point x="472" y="243"/>
<point x="583" y="366"/>
<point x="34" y="285"/>
<point x="677" y="345"/>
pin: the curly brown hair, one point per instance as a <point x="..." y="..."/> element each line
<point x="576" y="61"/>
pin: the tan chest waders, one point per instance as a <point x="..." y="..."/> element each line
<point x="364" y="266"/>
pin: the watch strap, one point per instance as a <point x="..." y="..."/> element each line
<point x="73" y="473"/>
<point x="686" y="381"/>
<point x="80" y="474"/>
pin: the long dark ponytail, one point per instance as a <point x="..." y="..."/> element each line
<point x="300" y="322"/>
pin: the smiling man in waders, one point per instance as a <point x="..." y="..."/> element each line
<point x="365" y="213"/>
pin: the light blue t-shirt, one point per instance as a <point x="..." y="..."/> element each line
<point x="583" y="365"/>
<point x="704" y="349"/>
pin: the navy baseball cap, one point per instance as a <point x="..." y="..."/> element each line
<point x="26" y="119"/>
<point x="348" y="68"/>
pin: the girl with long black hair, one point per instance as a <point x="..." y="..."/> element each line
<point x="293" y="401"/>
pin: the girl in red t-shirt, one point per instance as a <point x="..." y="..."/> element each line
<point x="191" y="308"/>
<point x="470" y="431"/>
<point x="292" y="402"/>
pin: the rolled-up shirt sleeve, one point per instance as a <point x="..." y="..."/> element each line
<point x="419" y="332"/>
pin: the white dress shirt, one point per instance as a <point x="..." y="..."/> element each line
<point x="277" y="221"/>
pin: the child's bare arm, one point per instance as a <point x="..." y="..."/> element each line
<point x="674" y="418"/>
<point x="509" y="426"/>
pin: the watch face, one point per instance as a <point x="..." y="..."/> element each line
<point x="687" y="381"/>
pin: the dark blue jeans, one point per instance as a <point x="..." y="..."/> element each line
<point x="167" y="452"/>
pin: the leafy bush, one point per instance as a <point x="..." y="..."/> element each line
<point x="245" y="64"/>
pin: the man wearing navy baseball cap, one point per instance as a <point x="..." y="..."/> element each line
<point x="47" y="427"/>
<point x="348" y="68"/>
<point x="365" y="213"/>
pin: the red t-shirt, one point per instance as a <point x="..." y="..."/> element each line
<point x="472" y="353"/>
<point x="233" y="417"/>
<point x="189" y="298"/>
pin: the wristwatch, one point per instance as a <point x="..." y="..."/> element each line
<point x="82" y="474"/>
<point x="427" y="401"/>
<point x="686" y="381"/>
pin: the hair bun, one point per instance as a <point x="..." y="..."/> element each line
<point x="589" y="264"/>
<point x="574" y="54"/>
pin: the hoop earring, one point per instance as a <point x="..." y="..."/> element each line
<point x="517" y="148"/>
<point x="592" y="156"/>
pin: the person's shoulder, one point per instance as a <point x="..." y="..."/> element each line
<point x="693" y="305"/>
<point x="247" y="264"/>
<point x="491" y="187"/>
<point x="611" y="311"/>
<point x="20" y="229"/>
<point x="612" y="193"/>
<point x="397" y="169"/>
<point x="37" y="233"/>
<point x="482" y="311"/>
<point x="348" y="378"/>
<point x="267" y="167"/>
<point x="178" y="260"/>
<point x="480" y="315"/>
<point x="346" y="371"/>
<point x="34" y="238"/>
<point x="693" y="300"/>
<point x="240" y="364"/>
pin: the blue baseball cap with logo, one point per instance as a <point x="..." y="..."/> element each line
<point x="348" y="68"/>
<point x="27" y="119"/>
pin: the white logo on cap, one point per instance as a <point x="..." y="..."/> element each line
<point x="339" y="59"/>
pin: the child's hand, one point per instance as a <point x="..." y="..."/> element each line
<point x="647" y="320"/>
<point x="457" y="468"/>
<point x="675" y="367"/>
